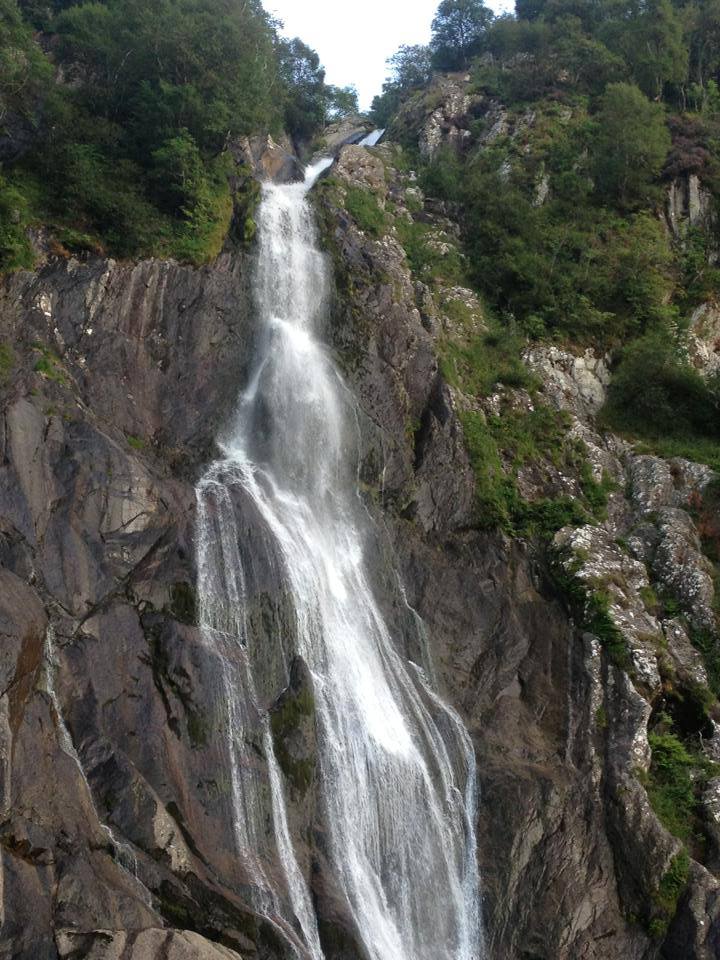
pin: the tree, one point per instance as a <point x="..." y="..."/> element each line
<point x="658" y="54"/>
<point x="341" y="102"/>
<point x="457" y="32"/>
<point x="410" y="69"/>
<point x="305" y="92"/>
<point x="25" y="74"/>
<point x="632" y="143"/>
<point x="702" y="24"/>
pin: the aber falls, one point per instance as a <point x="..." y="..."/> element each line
<point x="273" y="686"/>
<point x="396" y="767"/>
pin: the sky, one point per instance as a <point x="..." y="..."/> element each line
<point x="355" y="37"/>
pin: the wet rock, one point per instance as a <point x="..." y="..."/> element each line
<point x="267" y="159"/>
<point x="350" y="129"/>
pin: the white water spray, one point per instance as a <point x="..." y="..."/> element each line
<point x="396" y="766"/>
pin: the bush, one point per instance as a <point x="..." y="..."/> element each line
<point x="656" y="395"/>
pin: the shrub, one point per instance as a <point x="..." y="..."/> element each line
<point x="656" y="395"/>
<point x="363" y="207"/>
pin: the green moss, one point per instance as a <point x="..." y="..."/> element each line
<point x="498" y="447"/>
<point x="16" y="251"/>
<point x="427" y="260"/>
<point x="665" y="899"/>
<point x="294" y="710"/>
<point x="677" y="775"/>
<point x="137" y="443"/>
<point x="650" y="599"/>
<point x="49" y="365"/>
<point x="590" y="608"/>
<point x="7" y="362"/>
<point x="670" y="786"/>
<point x="596" y="494"/>
<point x="363" y="207"/>
<point x="531" y="436"/>
<point x="599" y="622"/>
<point x="709" y="646"/>
<point x="246" y="200"/>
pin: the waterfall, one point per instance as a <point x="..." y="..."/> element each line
<point x="396" y="769"/>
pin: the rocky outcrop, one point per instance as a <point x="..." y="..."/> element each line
<point x="689" y="205"/>
<point x="704" y="339"/>
<point x="440" y="115"/>
<point x="351" y="129"/>
<point x="267" y="159"/>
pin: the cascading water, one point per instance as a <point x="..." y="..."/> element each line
<point x="396" y="767"/>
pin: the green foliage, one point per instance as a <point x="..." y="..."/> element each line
<point x="568" y="264"/>
<point x="7" y="362"/>
<point x="596" y="493"/>
<point x="591" y="609"/>
<point x="709" y="646"/>
<point x="670" y="785"/>
<point x="497" y="448"/>
<point x="363" y="207"/>
<point x="599" y="622"/>
<point x="632" y="144"/>
<point x="679" y="770"/>
<point x="429" y="259"/>
<point x="25" y="74"/>
<point x="458" y="30"/>
<point x="129" y="154"/>
<point x="410" y="69"/>
<point x="49" y="365"/>
<point x="481" y="361"/>
<point x="306" y="94"/>
<point x="666" y="897"/>
<point x="341" y="102"/>
<point x="15" y="249"/>
<point x="656" y="395"/>
<point x="495" y="492"/>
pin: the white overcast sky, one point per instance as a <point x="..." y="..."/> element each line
<point x="355" y="37"/>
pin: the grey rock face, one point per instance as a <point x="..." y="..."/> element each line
<point x="114" y="826"/>
<point x="689" y="204"/>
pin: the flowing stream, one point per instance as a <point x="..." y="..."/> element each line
<point x="396" y="773"/>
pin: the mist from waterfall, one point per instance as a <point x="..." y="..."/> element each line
<point x="396" y="773"/>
